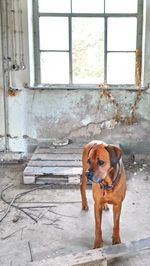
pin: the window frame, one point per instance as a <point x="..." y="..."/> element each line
<point x="70" y="85"/>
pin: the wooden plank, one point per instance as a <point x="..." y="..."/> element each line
<point x="74" y="179"/>
<point x="71" y="180"/>
<point x="56" y="157"/>
<point x="55" y="163"/>
<point x="97" y="256"/>
<point x="47" y="180"/>
<point x="57" y="180"/>
<point x="63" y="171"/>
<point x="72" y="260"/>
<point x="54" y="179"/>
<point x="128" y="248"/>
<point x="58" y="150"/>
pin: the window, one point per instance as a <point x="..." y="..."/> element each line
<point x="80" y="42"/>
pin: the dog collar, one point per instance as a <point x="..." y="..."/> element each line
<point x="115" y="179"/>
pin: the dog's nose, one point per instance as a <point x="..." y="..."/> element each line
<point x="89" y="174"/>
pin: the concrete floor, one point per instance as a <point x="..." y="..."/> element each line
<point x="65" y="228"/>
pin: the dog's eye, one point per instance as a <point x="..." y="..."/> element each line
<point x="100" y="162"/>
<point x="89" y="161"/>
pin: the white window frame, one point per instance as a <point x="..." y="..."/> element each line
<point x="37" y="71"/>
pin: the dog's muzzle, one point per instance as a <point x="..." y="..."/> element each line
<point x="93" y="178"/>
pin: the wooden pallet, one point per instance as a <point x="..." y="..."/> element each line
<point x="54" y="165"/>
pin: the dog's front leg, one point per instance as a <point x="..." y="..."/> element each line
<point x="83" y="191"/>
<point x="98" y="220"/>
<point x="116" y="218"/>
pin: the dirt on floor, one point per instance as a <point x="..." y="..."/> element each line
<point x="48" y="222"/>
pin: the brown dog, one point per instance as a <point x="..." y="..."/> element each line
<point x="103" y="166"/>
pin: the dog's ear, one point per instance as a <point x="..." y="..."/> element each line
<point x="114" y="153"/>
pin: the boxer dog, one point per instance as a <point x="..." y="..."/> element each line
<point x="102" y="165"/>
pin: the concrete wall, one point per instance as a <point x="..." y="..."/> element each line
<point x="34" y="115"/>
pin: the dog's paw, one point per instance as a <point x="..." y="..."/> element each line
<point x="105" y="207"/>
<point x="116" y="240"/>
<point x="85" y="207"/>
<point x="98" y="244"/>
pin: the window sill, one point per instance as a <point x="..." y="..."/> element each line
<point x="126" y="87"/>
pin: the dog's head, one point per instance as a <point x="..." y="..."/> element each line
<point x="101" y="159"/>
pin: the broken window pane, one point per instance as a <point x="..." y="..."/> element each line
<point x="54" y="6"/>
<point x="88" y="50"/>
<point x="122" y="34"/>
<point x="120" y="6"/>
<point x="54" y="33"/>
<point x="121" y="68"/>
<point x="87" y="6"/>
<point x="55" y="67"/>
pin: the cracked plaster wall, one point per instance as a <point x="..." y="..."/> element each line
<point x="75" y="114"/>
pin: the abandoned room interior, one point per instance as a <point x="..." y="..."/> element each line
<point x="74" y="71"/>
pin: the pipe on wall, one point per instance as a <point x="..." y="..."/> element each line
<point x="5" y="67"/>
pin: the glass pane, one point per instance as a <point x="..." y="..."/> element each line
<point x="88" y="6"/>
<point x="55" y="67"/>
<point x="121" y="6"/>
<point x="121" y="68"/>
<point x="88" y="50"/>
<point x="54" y="6"/>
<point x="53" y="33"/>
<point x="122" y="34"/>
